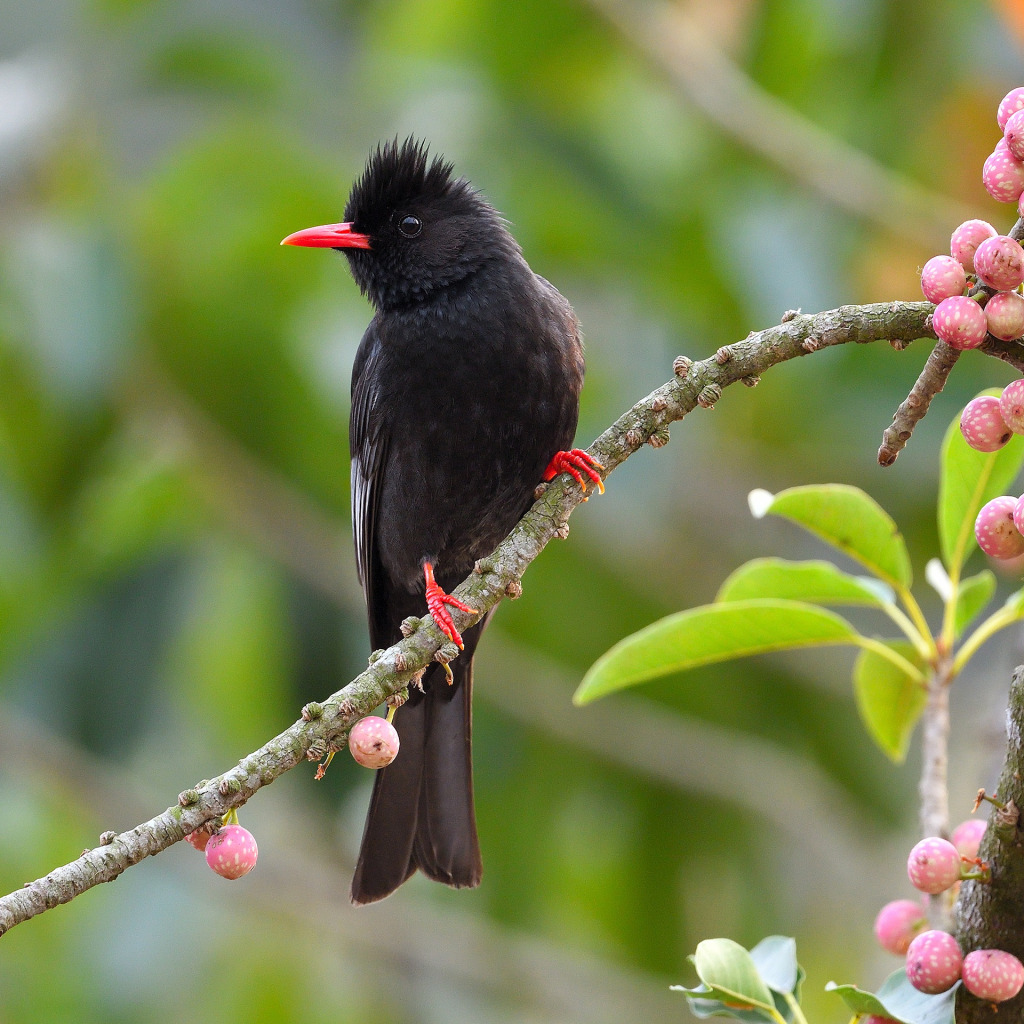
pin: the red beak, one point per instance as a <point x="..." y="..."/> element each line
<point x="329" y="236"/>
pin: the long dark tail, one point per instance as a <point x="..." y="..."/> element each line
<point x="421" y="812"/>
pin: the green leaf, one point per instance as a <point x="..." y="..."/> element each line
<point x="889" y="701"/>
<point x="974" y="594"/>
<point x="967" y="480"/>
<point x="775" y="960"/>
<point x="818" y="582"/>
<point x="728" y="970"/>
<point x="858" y="1000"/>
<point x="851" y="521"/>
<point x="710" y="633"/>
<point x="702" y="1006"/>
<point x="898" y="999"/>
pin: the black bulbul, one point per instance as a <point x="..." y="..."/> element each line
<point x="465" y="395"/>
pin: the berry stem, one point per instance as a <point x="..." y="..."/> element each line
<point x="392" y="708"/>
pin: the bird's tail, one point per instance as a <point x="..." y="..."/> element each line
<point x="421" y="812"/>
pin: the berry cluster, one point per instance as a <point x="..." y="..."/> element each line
<point x="934" y="960"/>
<point x="982" y="261"/>
<point x="980" y="256"/>
<point x="987" y="424"/>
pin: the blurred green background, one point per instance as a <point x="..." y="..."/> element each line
<point x="175" y="569"/>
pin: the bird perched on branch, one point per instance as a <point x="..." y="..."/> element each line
<point x="465" y="395"/>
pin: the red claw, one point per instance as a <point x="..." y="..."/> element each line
<point x="572" y="462"/>
<point x="436" y="601"/>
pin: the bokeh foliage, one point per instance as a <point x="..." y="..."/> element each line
<point x="175" y="576"/>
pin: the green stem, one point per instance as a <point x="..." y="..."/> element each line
<point x="798" y="1014"/>
<point x="924" y="645"/>
<point x="884" y="651"/>
<point x="910" y="603"/>
<point x="995" y="622"/>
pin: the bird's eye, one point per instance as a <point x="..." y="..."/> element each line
<point x="410" y="226"/>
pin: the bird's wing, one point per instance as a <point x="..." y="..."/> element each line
<point x="368" y="443"/>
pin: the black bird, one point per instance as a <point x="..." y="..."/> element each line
<point x="465" y="394"/>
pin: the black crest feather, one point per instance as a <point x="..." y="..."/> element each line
<point x="398" y="173"/>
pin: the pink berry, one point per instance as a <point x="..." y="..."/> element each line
<point x="960" y="322"/>
<point x="1009" y="104"/>
<point x="967" y="835"/>
<point x="993" y="975"/>
<point x="1004" y="314"/>
<point x="1011" y="405"/>
<point x="373" y="742"/>
<point x="966" y="239"/>
<point x="942" y="277"/>
<point x="897" y="924"/>
<point x="875" y="1018"/>
<point x="994" y="529"/>
<point x="1003" y="176"/>
<point x="934" y="961"/>
<point x="198" y="839"/>
<point x="1013" y="133"/>
<point x="232" y="852"/>
<point x="1018" y="513"/>
<point x="933" y="865"/>
<point x="983" y="426"/>
<point x="999" y="262"/>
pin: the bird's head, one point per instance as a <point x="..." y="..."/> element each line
<point x="411" y="228"/>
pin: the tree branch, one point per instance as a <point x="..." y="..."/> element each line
<point x="324" y="726"/>
<point x="991" y="915"/>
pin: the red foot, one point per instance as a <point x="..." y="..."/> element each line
<point x="436" y="601"/>
<point x="572" y="462"/>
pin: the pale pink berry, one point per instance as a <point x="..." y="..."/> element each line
<point x="232" y="852"/>
<point x="1013" y="133"/>
<point x="993" y="975"/>
<point x="960" y="322"/>
<point x="1011" y="405"/>
<point x="942" y="277"/>
<point x="983" y="426"/>
<point x="1003" y="176"/>
<point x="967" y="835"/>
<point x="198" y="839"/>
<point x="1004" y="314"/>
<point x="934" y="961"/>
<point x="999" y="262"/>
<point x="1018" y="513"/>
<point x="933" y="865"/>
<point x="994" y="529"/>
<point x="967" y="238"/>
<point x="1020" y="205"/>
<point x="1009" y="104"/>
<point x="897" y="924"/>
<point x="373" y="742"/>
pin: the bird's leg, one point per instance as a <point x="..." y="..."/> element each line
<point x="572" y="462"/>
<point x="436" y="601"/>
